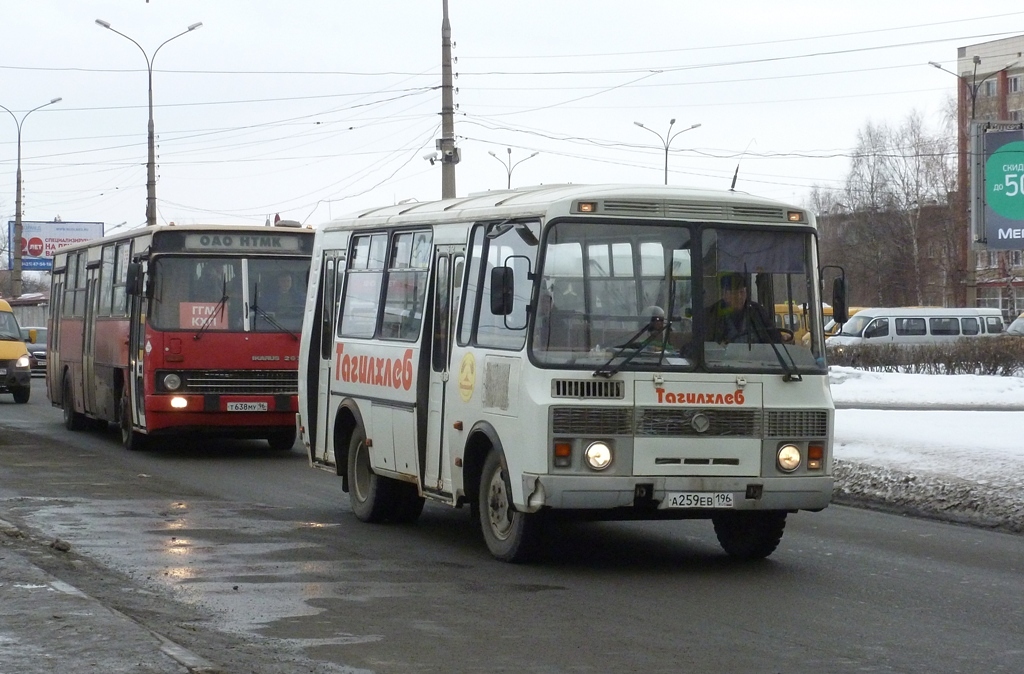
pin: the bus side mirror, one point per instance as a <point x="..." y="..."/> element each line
<point x="133" y="279"/>
<point x="840" y="308"/>
<point x="502" y="290"/>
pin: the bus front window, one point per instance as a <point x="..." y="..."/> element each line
<point x="601" y="285"/>
<point x="635" y="296"/>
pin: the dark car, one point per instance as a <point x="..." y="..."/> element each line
<point x="36" y="350"/>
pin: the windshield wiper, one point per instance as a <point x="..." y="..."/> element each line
<point x="219" y="309"/>
<point x="633" y="344"/>
<point x="790" y="368"/>
<point x="267" y="317"/>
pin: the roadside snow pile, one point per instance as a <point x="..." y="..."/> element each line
<point x="941" y="446"/>
<point x="974" y="502"/>
<point x="855" y="387"/>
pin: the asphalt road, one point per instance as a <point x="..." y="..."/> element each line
<point x="252" y="560"/>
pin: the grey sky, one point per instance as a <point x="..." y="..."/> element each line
<point x="317" y="108"/>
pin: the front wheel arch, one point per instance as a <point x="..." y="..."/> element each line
<point x="346" y="421"/>
<point x="482" y="439"/>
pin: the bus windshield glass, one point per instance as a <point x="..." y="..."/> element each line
<point x="229" y="293"/>
<point x="638" y="296"/>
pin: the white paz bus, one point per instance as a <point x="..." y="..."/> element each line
<point x="600" y="352"/>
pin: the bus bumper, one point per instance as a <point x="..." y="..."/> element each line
<point x="234" y="415"/>
<point x="647" y="495"/>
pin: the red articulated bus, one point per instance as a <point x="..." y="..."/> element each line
<point x="174" y="330"/>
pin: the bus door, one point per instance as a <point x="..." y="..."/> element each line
<point x="137" y="307"/>
<point x="53" y="359"/>
<point x="330" y="285"/>
<point x="89" y="387"/>
<point x="448" y="270"/>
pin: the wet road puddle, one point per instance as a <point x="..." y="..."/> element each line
<point x="261" y="574"/>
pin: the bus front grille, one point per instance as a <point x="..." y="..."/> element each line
<point x="587" y="388"/>
<point x="677" y="422"/>
<point x="256" y="382"/>
<point x="796" y="423"/>
<point x="711" y="422"/>
<point x="592" y="420"/>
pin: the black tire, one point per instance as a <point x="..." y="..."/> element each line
<point x="73" y="421"/>
<point x="511" y="536"/>
<point x="282" y="441"/>
<point x="749" y="534"/>
<point x="371" y="496"/>
<point x="21" y="395"/>
<point x="131" y="439"/>
<point x="408" y="504"/>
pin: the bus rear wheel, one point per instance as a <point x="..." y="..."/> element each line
<point x="511" y="536"/>
<point x="371" y="496"/>
<point x="73" y="421"/>
<point x="131" y="439"/>
<point x="751" y="534"/>
<point x="408" y="504"/>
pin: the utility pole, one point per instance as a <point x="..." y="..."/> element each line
<point x="18" y="228"/>
<point x="446" y="143"/>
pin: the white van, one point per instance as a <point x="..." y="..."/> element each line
<point x="917" y="325"/>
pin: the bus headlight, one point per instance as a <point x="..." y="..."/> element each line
<point x="22" y="363"/>
<point x="172" y="382"/>
<point x="788" y="458"/>
<point x="179" y="403"/>
<point x="598" y="455"/>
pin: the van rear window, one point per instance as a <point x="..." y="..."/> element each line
<point x="944" y="326"/>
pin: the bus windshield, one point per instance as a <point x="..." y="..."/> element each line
<point x="229" y="293"/>
<point x="636" y="296"/>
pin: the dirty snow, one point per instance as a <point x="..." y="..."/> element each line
<point x="946" y="459"/>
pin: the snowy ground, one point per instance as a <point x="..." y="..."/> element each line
<point x="918" y="443"/>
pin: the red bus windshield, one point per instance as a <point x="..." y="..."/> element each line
<point x="228" y="293"/>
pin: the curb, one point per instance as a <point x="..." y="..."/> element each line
<point x="102" y="635"/>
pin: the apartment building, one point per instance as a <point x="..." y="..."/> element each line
<point x="991" y="88"/>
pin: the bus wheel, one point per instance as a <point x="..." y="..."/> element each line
<point x="21" y="395"/>
<point x="370" y="495"/>
<point x="73" y="421"/>
<point x="750" y="534"/>
<point x="132" y="440"/>
<point x="408" y="504"/>
<point x="282" y="441"/>
<point x="511" y="536"/>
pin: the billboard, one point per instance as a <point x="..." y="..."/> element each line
<point x="39" y="240"/>
<point x="997" y="184"/>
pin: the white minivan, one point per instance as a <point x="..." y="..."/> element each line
<point x="917" y="325"/>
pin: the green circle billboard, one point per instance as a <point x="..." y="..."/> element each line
<point x="1004" y="180"/>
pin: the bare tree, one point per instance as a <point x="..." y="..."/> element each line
<point x="890" y="231"/>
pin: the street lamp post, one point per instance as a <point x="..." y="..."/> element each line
<point x="974" y="85"/>
<point x="667" y="139"/>
<point x="966" y="88"/>
<point x="509" y="166"/>
<point x="151" y="164"/>
<point x="16" y="275"/>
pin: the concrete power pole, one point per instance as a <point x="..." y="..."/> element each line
<point x="446" y="143"/>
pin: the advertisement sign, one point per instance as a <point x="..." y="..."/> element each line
<point x="1004" y="189"/>
<point x="39" y="240"/>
